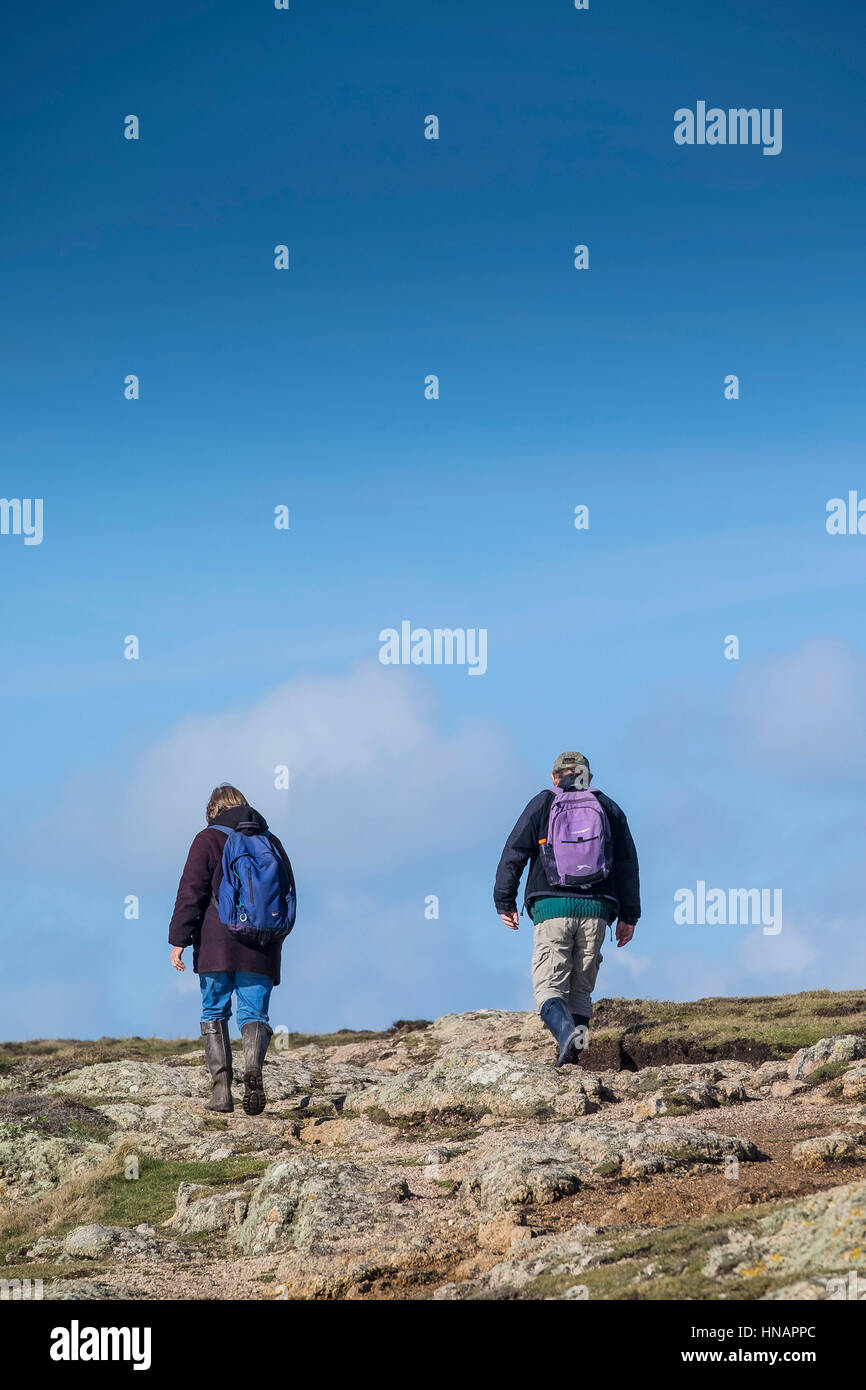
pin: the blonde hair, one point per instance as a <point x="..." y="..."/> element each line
<point x="223" y="797"/>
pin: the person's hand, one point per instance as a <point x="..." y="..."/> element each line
<point x="624" y="933"/>
<point x="511" y="920"/>
<point x="177" y="957"/>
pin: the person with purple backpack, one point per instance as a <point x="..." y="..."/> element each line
<point x="583" y="875"/>
<point x="235" y="906"/>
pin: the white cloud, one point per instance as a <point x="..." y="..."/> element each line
<point x="623" y="958"/>
<point x="803" y="713"/>
<point x="375" y="780"/>
<point x="792" y="952"/>
<point x="688" y="975"/>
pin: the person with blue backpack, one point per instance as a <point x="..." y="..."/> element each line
<point x="583" y="875"/>
<point x="235" y="906"/>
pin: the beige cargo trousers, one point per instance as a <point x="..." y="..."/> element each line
<point x="565" y="960"/>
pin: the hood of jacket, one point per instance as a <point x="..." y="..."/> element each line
<point x="245" y="819"/>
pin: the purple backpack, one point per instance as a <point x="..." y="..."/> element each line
<point x="577" y="851"/>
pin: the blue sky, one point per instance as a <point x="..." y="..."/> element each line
<point x="306" y="388"/>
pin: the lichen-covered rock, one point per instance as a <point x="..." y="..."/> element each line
<point x="334" y="1079"/>
<point x="550" y="1266"/>
<point x="708" y="1083"/>
<point x="702" y="1095"/>
<point x="340" y="1225"/>
<point x="696" y="1097"/>
<point x="734" y="1249"/>
<point x="839" y="1287"/>
<point x="172" y="1123"/>
<point x="481" y="1083"/>
<point x="147" y="1080"/>
<point x="526" y="1173"/>
<point x="634" y="1150"/>
<point x="31" y="1164"/>
<point x="841" y="1146"/>
<point x="199" y="1209"/>
<point x="294" y="1071"/>
<point x="650" y="1106"/>
<point x="378" y="1055"/>
<point x="45" y="1248"/>
<point x="501" y="1232"/>
<point x="787" y="1090"/>
<point x="731" y="1091"/>
<point x="95" y="1242"/>
<point x="854" y="1082"/>
<point x="155" y="1080"/>
<point x="838" y="1050"/>
<point x="490" y="1030"/>
<point x="821" y="1234"/>
<point x="539" y="1171"/>
<point x="762" y="1077"/>
<point x="77" y="1291"/>
<point x="809" y="1248"/>
<point x="304" y="1201"/>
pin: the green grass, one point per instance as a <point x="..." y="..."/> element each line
<point x="828" y="1072"/>
<point x="32" y="1269"/>
<point x="681" y="1105"/>
<point x="76" y="1052"/>
<point x="782" y="1023"/>
<point x="151" y="1197"/>
<point x="79" y="1053"/>
<point x="106" y="1197"/>
<point x="402" y="1028"/>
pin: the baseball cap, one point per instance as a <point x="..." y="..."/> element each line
<point x="571" y="761"/>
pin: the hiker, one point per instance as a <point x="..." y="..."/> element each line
<point x="235" y="906"/>
<point x="583" y="874"/>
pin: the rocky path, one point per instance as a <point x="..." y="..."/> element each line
<point x="447" y="1162"/>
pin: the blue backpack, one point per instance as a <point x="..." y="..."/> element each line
<point x="257" y="900"/>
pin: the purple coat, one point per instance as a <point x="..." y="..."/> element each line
<point x="195" y="921"/>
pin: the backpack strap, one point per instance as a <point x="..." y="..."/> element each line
<point x="213" y="897"/>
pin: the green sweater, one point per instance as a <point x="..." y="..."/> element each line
<point x="543" y="909"/>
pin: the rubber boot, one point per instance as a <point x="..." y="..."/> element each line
<point x="218" y="1059"/>
<point x="556" y="1018"/>
<point x="256" y="1037"/>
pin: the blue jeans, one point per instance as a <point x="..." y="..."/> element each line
<point x="253" y="991"/>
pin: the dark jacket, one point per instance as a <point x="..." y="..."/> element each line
<point x="622" y="885"/>
<point x="195" y="921"/>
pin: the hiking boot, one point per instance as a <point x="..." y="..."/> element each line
<point x="256" y="1037"/>
<point x="218" y="1059"/>
<point x="557" y="1019"/>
